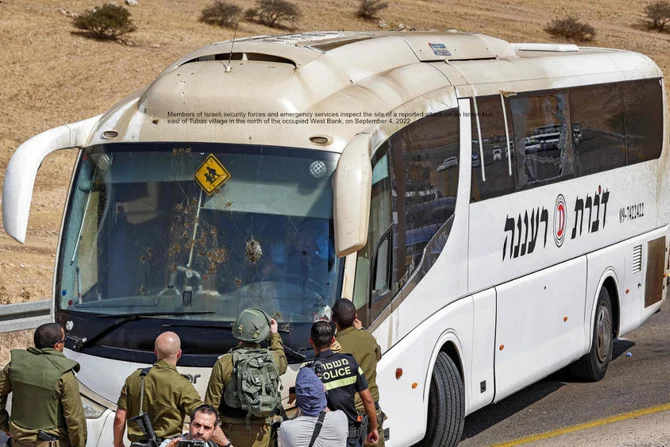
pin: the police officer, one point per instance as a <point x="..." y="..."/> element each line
<point x="363" y="346"/>
<point x="168" y="396"/>
<point x="251" y="328"/>
<point x="343" y="379"/>
<point x="46" y="404"/>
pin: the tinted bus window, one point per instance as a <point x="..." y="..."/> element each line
<point x="598" y="129"/>
<point x="427" y="153"/>
<point x="643" y="105"/>
<point x="542" y="138"/>
<point x="498" y="180"/>
<point x="377" y="281"/>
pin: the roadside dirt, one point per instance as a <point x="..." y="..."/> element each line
<point x="52" y="76"/>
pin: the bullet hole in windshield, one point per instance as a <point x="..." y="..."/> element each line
<point x="254" y="251"/>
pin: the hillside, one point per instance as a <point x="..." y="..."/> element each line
<point x="52" y="75"/>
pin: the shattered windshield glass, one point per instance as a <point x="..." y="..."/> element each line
<point x="202" y="229"/>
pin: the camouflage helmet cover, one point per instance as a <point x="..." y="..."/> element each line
<point x="252" y="325"/>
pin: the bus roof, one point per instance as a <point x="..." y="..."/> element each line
<point x="287" y="90"/>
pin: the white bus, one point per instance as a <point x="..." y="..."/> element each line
<point x="394" y="169"/>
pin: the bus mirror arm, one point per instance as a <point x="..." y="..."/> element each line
<point x="352" y="187"/>
<point x="19" y="180"/>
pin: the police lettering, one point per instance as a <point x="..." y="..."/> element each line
<point x="336" y="369"/>
<point x="339" y="372"/>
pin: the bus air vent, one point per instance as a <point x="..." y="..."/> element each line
<point x="637" y="259"/>
<point x="549" y="47"/>
<point x="337" y="43"/>
<point x="243" y="56"/>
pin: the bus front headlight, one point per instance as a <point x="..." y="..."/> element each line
<point x="92" y="410"/>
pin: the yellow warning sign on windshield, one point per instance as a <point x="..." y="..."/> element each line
<point x="211" y="174"/>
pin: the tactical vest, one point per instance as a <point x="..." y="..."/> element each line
<point x="34" y="375"/>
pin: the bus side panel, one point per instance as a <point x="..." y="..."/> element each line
<point x="523" y="232"/>
<point x="615" y="261"/>
<point x="539" y="326"/>
<point x="636" y="274"/>
<point x="482" y="384"/>
<point x="415" y="354"/>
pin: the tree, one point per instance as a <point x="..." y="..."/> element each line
<point x="273" y="12"/>
<point x="571" y="28"/>
<point x="221" y="13"/>
<point x="658" y="14"/>
<point x="106" y="22"/>
<point x="368" y="9"/>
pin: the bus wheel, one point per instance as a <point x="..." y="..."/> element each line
<point x="446" y="405"/>
<point x="593" y="365"/>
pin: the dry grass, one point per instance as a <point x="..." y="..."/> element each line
<point x="53" y="76"/>
<point x="12" y="340"/>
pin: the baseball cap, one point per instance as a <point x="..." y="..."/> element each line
<point x="309" y="393"/>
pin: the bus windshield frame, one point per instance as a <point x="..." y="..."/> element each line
<point x="145" y="248"/>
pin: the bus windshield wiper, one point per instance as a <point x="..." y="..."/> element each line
<point x="81" y="343"/>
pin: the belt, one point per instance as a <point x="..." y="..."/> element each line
<point x="355" y="431"/>
<point x="242" y="426"/>
<point x="15" y="443"/>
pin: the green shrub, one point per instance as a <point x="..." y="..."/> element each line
<point x="572" y="29"/>
<point x="106" y="22"/>
<point x="273" y="12"/>
<point x="368" y="9"/>
<point x="658" y="15"/>
<point x="251" y="14"/>
<point x="221" y="13"/>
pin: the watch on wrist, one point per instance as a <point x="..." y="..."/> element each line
<point x="228" y="445"/>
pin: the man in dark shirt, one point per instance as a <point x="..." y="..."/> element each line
<point x="363" y="346"/>
<point x="343" y="378"/>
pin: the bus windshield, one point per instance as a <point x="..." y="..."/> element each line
<point x="200" y="232"/>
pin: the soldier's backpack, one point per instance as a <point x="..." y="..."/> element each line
<point x="255" y="385"/>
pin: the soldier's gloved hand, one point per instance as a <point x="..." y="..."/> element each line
<point x="274" y="327"/>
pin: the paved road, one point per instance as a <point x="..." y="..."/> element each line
<point x="637" y="381"/>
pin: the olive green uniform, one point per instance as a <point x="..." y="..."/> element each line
<point x="363" y="346"/>
<point x="254" y="432"/>
<point x="45" y="396"/>
<point x="168" y="398"/>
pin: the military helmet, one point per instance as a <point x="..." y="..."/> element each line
<point x="252" y="325"/>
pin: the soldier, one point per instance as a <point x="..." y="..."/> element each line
<point x="231" y="389"/>
<point x="46" y="405"/>
<point x="343" y="379"/>
<point x="167" y="398"/>
<point x="363" y="346"/>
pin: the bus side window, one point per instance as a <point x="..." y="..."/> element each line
<point x="643" y="104"/>
<point x="426" y="156"/>
<point x="597" y="128"/>
<point x="494" y="139"/>
<point x="542" y="138"/>
<point x="379" y="236"/>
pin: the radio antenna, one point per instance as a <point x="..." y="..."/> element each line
<point x="230" y="58"/>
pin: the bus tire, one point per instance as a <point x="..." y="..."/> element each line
<point x="446" y="405"/>
<point x="593" y="366"/>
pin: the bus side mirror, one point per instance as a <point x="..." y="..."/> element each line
<point x="17" y="190"/>
<point x="352" y="186"/>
